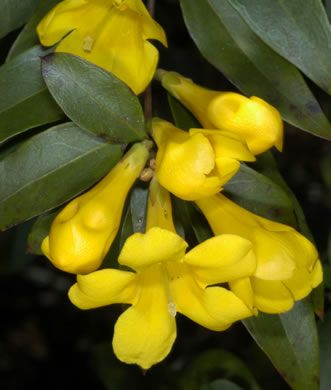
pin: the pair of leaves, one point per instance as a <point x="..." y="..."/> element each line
<point x="228" y="41"/>
<point x="289" y="339"/>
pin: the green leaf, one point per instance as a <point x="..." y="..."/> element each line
<point x="290" y="341"/>
<point x="39" y="231"/>
<point x="100" y="103"/>
<point x="28" y="36"/>
<point x="14" y="13"/>
<point x="213" y="364"/>
<point x="228" y="43"/>
<point x="192" y="218"/>
<point x="222" y="384"/>
<point x="325" y="351"/>
<point x="24" y="99"/>
<point x="303" y="38"/>
<point x="138" y="205"/>
<point x="260" y="195"/>
<point x="182" y="116"/>
<point x="49" y="169"/>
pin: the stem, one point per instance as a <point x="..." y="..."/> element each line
<point x="151" y="7"/>
<point x="148" y="99"/>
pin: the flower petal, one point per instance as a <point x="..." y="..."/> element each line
<point x="69" y="15"/>
<point x="227" y="144"/>
<point x="155" y="246"/>
<point x="272" y="296"/>
<point x="259" y="123"/>
<point x="145" y="333"/>
<point x="214" y="307"/>
<point x="152" y="30"/>
<point x="103" y="288"/>
<point x="222" y="258"/>
<point x="185" y="168"/>
<point x="243" y="289"/>
<point x="302" y="281"/>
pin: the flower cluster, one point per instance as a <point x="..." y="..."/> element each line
<point x="252" y="264"/>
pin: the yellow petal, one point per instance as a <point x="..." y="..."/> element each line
<point x="162" y="131"/>
<point x="213" y="307"/>
<point x="108" y="35"/>
<point x="222" y="258"/>
<point x="226" y="168"/>
<point x="259" y="123"/>
<point x="227" y="144"/>
<point x="69" y="15"/>
<point x="83" y="231"/>
<point x="185" y="168"/>
<point x="279" y="248"/>
<point x="151" y="29"/>
<point x="243" y="289"/>
<point x="159" y="209"/>
<point x="103" y="288"/>
<point x="157" y="245"/>
<point x="302" y="281"/>
<point x="272" y="296"/>
<point x="144" y="334"/>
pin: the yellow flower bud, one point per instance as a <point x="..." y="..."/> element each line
<point x="112" y="34"/>
<point x="83" y="231"/>
<point x="195" y="164"/>
<point x="259" y="123"/>
<point x="287" y="263"/>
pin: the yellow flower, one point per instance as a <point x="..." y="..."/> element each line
<point x="83" y="231"/>
<point x="166" y="281"/>
<point x="110" y="33"/>
<point x="196" y="164"/>
<point x="259" y="123"/>
<point x="287" y="263"/>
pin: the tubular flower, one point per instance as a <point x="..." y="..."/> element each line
<point x="287" y="263"/>
<point x="83" y="231"/>
<point x="259" y="123"/>
<point x="166" y="281"/>
<point x="196" y="164"/>
<point x="110" y="33"/>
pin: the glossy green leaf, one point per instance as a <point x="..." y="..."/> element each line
<point x="39" y="231"/>
<point x="228" y="43"/>
<point x="325" y="351"/>
<point x="290" y="341"/>
<point x="138" y="205"/>
<point x="222" y="384"/>
<point x="14" y="13"/>
<point x="99" y="103"/>
<point x="217" y="363"/>
<point x="49" y="169"/>
<point x="303" y="38"/>
<point x="260" y="195"/>
<point x="28" y="36"/>
<point x="24" y="99"/>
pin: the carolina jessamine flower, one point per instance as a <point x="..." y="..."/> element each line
<point x="110" y="33"/>
<point x="287" y="263"/>
<point x="196" y="164"/>
<point x="259" y="123"/>
<point x="166" y="281"/>
<point x="83" y="231"/>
